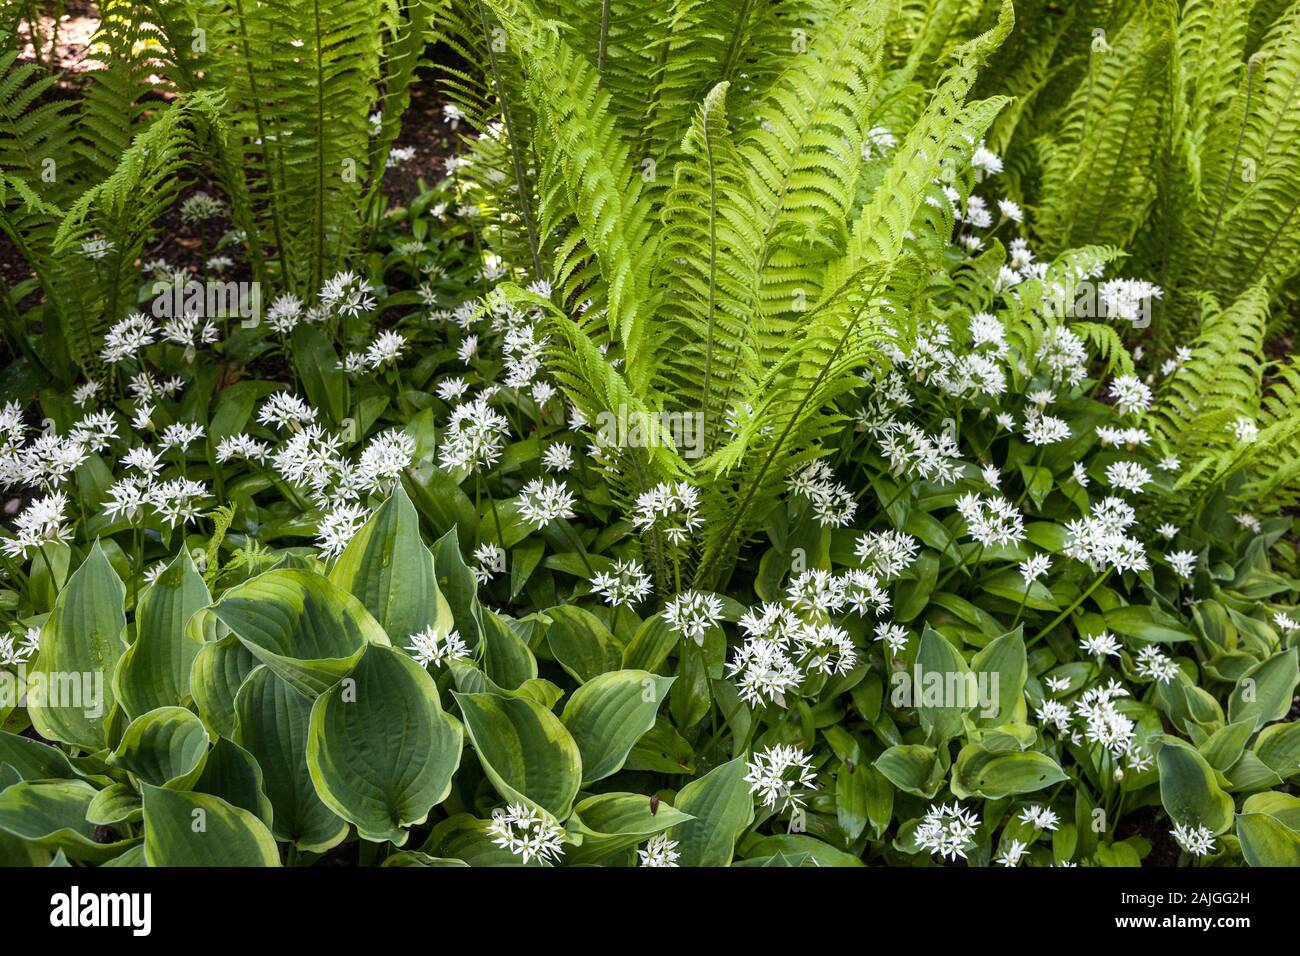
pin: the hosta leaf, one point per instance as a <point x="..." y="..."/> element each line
<point x="305" y="629"/>
<point x="457" y="585"/>
<point x="506" y="656"/>
<point x="155" y="670"/>
<point x="272" y="726"/>
<point x="52" y="813"/>
<point x="941" y="670"/>
<point x="33" y="760"/>
<point x="381" y="751"/>
<point x="387" y="567"/>
<point x="611" y="822"/>
<point x="116" y="803"/>
<point x="1263" y="694"/>
<point x="526" y="751"/>
<point x="722" y="806"/>
<point x="218" y="671"/>
<point x="1188" y="789"/>
<point x="165" y="747"/>
<point x="196" y="829"/>
<point x="231" y="773"/>
<point x="912" y="768"/>
<point x="81" y="644"/>
<point x="982" y="773"/>
<point x="581" y="643"/>
<point x="608" y="714"/>
<point x="1267" y="841"/>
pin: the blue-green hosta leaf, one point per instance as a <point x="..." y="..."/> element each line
<point x="33" y="760"/>
<point x="308" y="631"/>
<point x="218" y="671"/>
<point x="1189" y="788"/>
<point x="155" y="670"/>
<point x="466" y="838"/>
<point x="380" y="749"/>
<point x="1263" y="694"/>
<point x="507" y="658"/>
<point x="1267" y="841"/>
<point x="1001" y="668"/>
<point x="387" y="567"/>
<point x="52" y="813"/>
<point x="231" y="773"/>
<point x="272" y="725"/>
<point x="116" y="803"/>
<point x="611" y="822"/>
<point x="607" y="716"/>
<point x="81" y="644"/>
<point x="722" y="806"/>
<point x="197" y="829"/>
<point x="581" y="643"/>
<point x="793" y="844"/>
<point x="942" y="693"/>
<point x="457" y="585"/>
<point x="913" y="768"/>
<point x="165" y="747"/>
<point x="526" y="751"/>
<point x="979" y="772"/>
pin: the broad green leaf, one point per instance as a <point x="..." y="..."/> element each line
<point x="33" y="760"/>
<point x="52" y="813"/>
<point x="506" y="657"/>
<point x="794" y="843"/>
<point x="155" y="670"/>
<point x="983" y="773"/>
<point x="196" y="829"/>
<point x="381" y="751"/>
<point x="581" y="643"/>
<point x="1267" y="841"/>
<point x="1263" y="694"/>
<point x="70" y="688"/>
<point x="309" y="632"/>
<point x="608" y="714"/>
<point x="387" y="567"/>
<point x="943" y="687"/>
<point x="165" y="747"/>
<point x="116" y="803"/>
<point x="272" y="725"/>
<point x="1188" y="788"/>
<point x="913" y="768"/>
<point x="456" y="583"/>
<point x="722" y="806"/>
<point x="611" y="822"/>
<point x="466" y="838"/>
<point x="1002" y="669"/>
<point x="218" y="672"/>
<point x="526" y="751"/>
<point x="231" y="773"/>
<point x="650" y="646"/>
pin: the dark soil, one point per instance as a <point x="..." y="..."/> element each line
<point x="1146" y="823"/>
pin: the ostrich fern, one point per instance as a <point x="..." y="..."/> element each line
<point x="751" y="287"/>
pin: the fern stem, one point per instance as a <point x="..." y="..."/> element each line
<point x="713" y="271"/>
<point x="318" y="260"/>
<point x="1232" y="168"/>
<point x="516" y="161"/>
<point x="604" y="38"/>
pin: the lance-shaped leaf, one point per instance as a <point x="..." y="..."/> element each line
<point x="980" y="772"/>
<point x="380" y="749"/>
<point x="308" y="631"/>
<point x="155" y="670"/>
<point x="273" y="721"/>
<point x="943" y="687"/>
<point x="722" y="806"/>
<point x="218" y="671"/>
<point x="608" y="714"/>
<point x="52" y="813"/>
<point x="70" y="687"/>
<point x="197" y="829"/>
<point x="165" y="747"/>
<point x="611" y="822"/>
<point x="526" y="751"/>
<point x="387" y="567"/>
